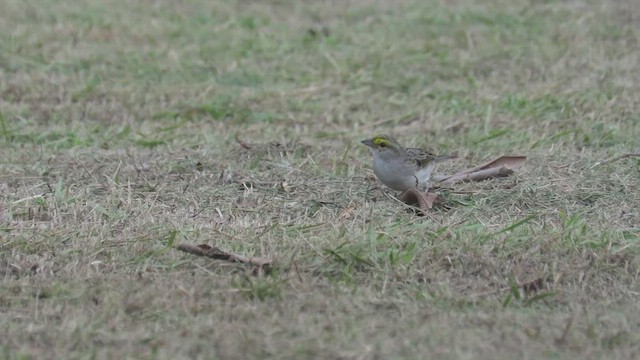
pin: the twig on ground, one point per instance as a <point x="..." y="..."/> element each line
<point x="216" y="253"/>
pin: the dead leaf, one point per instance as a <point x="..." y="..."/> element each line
<point x="216" y="253"/>
<point x="500" y="167"/>
<point x="485" y="174"/>
<point x="242" y="144"/>
<point x="508" y="161"/>
<point x="415" y="197"/>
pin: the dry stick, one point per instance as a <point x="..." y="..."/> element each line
<point x="623" y="156"/>
<point x="216" y="253"/>
<point x="562" y="339"/>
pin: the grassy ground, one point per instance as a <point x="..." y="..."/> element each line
<point x="117" y="131"/>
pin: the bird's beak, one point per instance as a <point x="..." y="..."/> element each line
<point x="368" y="142"/>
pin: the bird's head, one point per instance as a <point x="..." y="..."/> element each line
<point x="383" y="144"/>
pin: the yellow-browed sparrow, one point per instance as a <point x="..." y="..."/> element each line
<point x="401" y="168"/>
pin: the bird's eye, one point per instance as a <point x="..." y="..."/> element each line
<point x="383" y="144"/>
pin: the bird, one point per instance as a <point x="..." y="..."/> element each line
<point x="401" y="168"/>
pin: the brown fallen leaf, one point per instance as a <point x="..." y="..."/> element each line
<point x="415" y="197"/>
<point x="500" y="167"/>
<point x="508" y="161"/>
<point x="480" y="175"/>
<point x="216" y="253"/>
<point x="242" y="144"/>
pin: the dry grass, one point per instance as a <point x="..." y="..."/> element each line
<point x="118" y="123"/>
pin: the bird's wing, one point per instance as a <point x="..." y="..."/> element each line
<point x="426" y="156"/>
<point x="422" y="156"/>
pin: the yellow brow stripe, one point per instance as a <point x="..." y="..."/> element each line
<point x="380" y="141"/>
